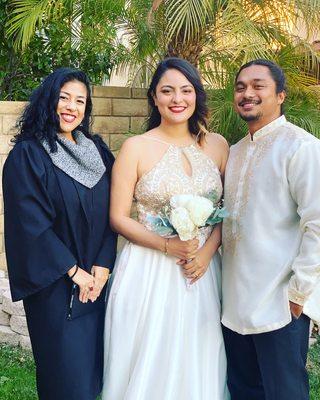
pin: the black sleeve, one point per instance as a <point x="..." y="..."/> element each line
<point x="36" y="257"/>
<point x="107" y="252"/>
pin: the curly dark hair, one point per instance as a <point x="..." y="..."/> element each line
<point x="40" y="119"/>
<point x="198" y="121"/>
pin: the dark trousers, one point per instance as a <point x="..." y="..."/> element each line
<point x="271" y="365"/>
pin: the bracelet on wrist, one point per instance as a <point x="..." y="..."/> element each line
<point x="73" y="275"/>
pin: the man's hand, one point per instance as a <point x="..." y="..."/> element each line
<point x="296" y="309"/>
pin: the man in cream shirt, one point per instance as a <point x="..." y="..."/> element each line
<point x="271" y="242"/>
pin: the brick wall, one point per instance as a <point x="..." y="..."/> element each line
<point x="117" y="111"/>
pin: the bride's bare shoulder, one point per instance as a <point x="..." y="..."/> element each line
<point x="133" y="144"/>
<point x="141" y="142"/>
<point x="217" y="148"/>
<point x="215" y="139"/>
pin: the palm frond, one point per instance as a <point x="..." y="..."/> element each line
<point x="189" y="17"/>
<point x="218" y="36"/>
<point x="308" y="12"/>
<point x="302" y="109"/>
<point x="223" y="118"/>
<point x="29" y="15"/>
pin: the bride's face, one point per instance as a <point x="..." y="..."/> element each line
<point x="175" y="97"/>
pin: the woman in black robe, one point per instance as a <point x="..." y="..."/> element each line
<point x="59" y="245"/>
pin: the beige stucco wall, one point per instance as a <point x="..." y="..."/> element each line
<point x="117" y="111"/>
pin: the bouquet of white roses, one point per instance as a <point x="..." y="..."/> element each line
<point x="186" y="213"/>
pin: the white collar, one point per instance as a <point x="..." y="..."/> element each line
<point x="268" y="128"/>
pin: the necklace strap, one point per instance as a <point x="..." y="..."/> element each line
<point x="164" y="142"/>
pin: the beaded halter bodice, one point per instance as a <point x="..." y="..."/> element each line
<point x="168" y="177"/>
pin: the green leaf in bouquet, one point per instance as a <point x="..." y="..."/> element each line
<point x="160" y="225"/>
<point x="217" y="216"/>
<point x="164" y="231"/>
<point x="223" y="213"/>
<point x="213" y="196"/>
<point x="165" y="221"/>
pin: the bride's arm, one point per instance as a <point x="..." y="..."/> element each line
<point x="124" y="179"/>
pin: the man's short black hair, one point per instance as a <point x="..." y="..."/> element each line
<point x="275" y="70"/>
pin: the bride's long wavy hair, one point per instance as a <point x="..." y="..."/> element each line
<point x="198" y="121"/>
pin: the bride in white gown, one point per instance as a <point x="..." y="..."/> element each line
<point x="163" y="338"/>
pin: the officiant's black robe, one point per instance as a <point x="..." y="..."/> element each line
<point x="52" y="222"/>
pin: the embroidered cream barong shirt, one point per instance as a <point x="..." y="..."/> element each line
<point x="271" y="239"/>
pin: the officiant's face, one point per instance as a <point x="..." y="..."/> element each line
<point x="175" y="97"/>
<point x="71" y="105"/>
<point x="256" y="97"/>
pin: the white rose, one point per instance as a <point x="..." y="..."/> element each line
<point x="180" y="200"/>
<point x="199" y="209"/>
<point x="182" y="223"/>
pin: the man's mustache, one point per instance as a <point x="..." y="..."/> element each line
<point x="247" y="101"/>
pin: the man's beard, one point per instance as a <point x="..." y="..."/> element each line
<point x="250" y="118"/>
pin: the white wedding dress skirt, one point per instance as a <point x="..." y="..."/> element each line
<point x="163" y="338"/>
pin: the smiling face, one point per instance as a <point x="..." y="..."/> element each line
<point x="255" y="98"/>
<point x="175" y="98"/>
<point x="71" y="106"/>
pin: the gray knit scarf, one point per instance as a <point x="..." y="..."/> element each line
<point x="81" y="160"/>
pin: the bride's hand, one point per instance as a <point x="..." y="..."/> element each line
<point x="101" y="276"/>
<point x="182" y="249"/>
<point x="197" y="267"/>
<point x="84" y="280"/>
